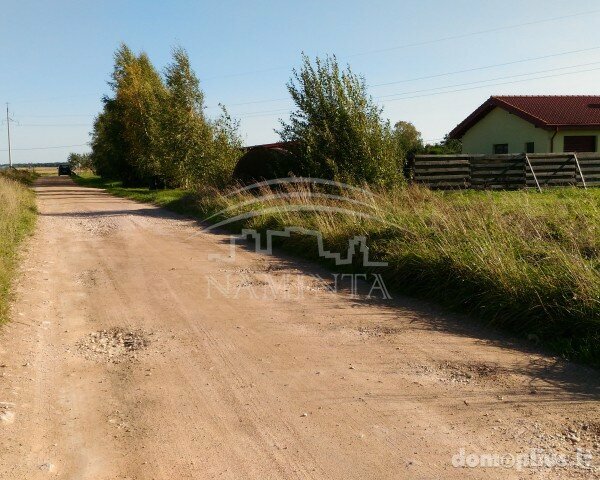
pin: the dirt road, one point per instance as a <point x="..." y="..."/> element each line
<point x="128" y="358"/>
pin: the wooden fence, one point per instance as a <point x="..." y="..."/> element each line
<point x="507" y="172"/>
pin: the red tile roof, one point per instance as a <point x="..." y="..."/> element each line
<point x="544" y="111"/>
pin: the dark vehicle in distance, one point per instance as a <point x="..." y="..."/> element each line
<point x="64" y="170"/>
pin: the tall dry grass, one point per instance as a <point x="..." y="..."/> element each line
<point x="17" y="216"/>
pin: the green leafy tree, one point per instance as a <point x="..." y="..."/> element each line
<point x="408" y="139"/>
<point x="110" y="149"/>
<point x="337" y="129"/>
<point x="185" y="128"/>
<point x="127" y="134"/>
<point x="226" y="148"/>
<point x="141" y="95"/>
<point x="448" y="146"/>
<point x="80" y="161"/>
<point x="197" y="151"/>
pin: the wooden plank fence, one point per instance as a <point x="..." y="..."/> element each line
<point x="507" y="172"/>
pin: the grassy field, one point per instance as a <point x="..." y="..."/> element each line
<point x="17" y="217"/>
<point x="523" y="261"/>
<point x="46" y="171"/>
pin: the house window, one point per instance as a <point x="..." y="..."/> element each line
<point x="529" y="147"/>
<point x="500" y="148"/>
<point x="580" y="143"/>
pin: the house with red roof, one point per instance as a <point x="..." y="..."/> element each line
<point x="532" y="124"/>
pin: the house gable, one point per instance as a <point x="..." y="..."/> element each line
<point x="498" y="126"/>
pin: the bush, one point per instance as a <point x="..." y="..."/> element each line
<point x="337" y="130"/>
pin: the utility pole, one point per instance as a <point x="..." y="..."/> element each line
<point x="8" y="131"/>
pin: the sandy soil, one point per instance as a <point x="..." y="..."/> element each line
<point x="124" y="361"/>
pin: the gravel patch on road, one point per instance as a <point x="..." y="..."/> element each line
<point x="114" y="345"/>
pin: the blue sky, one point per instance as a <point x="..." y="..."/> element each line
<point x="56" y="57"/>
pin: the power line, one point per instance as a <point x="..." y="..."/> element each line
<point x="263" y="113"/>
<point x="483" y="68"/>
<point x="55" y="125"/>
<point x="49" y="148"/>
<point x="276" y="112"/>
<point x="51" y="99"/>
<point x="488" y="80"/>
<point x="495" y="84"/>
<point x="251" y="102"/>
<point x="470" y="34"/>
<point x="59" y="116"/>
<point x="386" y="97"/>
<point x="433" y="76"/>
<point x="240" y="74"/>
<point x="416" y="44"/>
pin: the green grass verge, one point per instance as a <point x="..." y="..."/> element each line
<point x="176" y="200"/>
<point x="17" y="218"/>
<point x="522" y="261"/>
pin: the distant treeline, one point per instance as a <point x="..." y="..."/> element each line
<point x="32" y="165"/>
<point x="153" y="129"/>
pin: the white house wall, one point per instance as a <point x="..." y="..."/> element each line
<point x="500" y="126"/>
